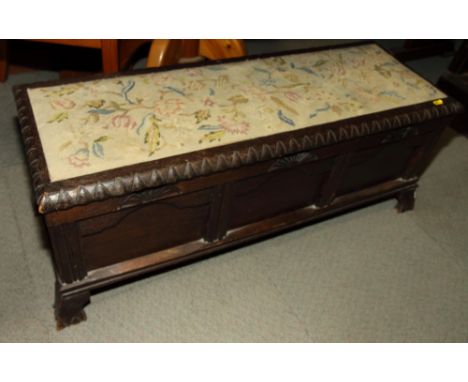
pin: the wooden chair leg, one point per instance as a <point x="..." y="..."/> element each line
<point x="190" y="48"/>
<point x="110" y="56"/>
<point x="3" y="60"/>
<point x="164" y="52"/>
<point x="218" y="49"/>
<point x="169" y="52"/>
<point x="128" y="50"/>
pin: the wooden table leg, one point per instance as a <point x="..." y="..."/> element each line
<point x="3" y="60"/>
<point x="110" y="56"/>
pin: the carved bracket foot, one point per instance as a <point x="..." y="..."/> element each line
<point x="405" y="201"/>
<point x="69" y="309"/>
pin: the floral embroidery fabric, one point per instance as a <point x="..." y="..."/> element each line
<point x="92" y="126"/>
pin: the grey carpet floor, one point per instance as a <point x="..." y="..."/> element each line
<point x="371" y="275"/>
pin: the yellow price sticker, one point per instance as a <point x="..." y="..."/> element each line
<point x="438" y="102"/>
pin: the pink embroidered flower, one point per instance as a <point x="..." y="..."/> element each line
<point x="163" y="79"/>
<point x="169" y="107"/>
<point x="208" y="101"/>
<point x="63" y="103"/>
<point x="124" y="121"/>
<point x="358" y="63"/>
<point x="258" y="92"/>
<point x="194" y="72"/>
<point x="233" y="127"/>
<point x="293" y="96"/>
<point x="195" y="86"/>
<point x="79" y="158"/>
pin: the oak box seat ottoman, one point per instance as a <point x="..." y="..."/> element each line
<point x="141" y="171"/>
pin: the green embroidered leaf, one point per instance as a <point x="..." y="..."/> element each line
<point x="95" y="104"/>
<point x="279" y="60"/>
<point x="319" y="63"/>
<point x="308" y="70"/>
<point x="292" y="77"/>
<point x="325" y="108"/>
<point x="93" y="117"/>
<point x="102" y="139"/>
<point x="153" y="135"/>
<point x="59" y="117"/>
<point x="66" y="90"/>
<point x="261" y="70"/>
<point x="210" y="127"/>
<point x="238" y="99"/>
<point x="65" y="145"/>
<point x="147" y="120"/>
<point x="115" y="105"/>
<point x="382" y="71"/>
<point x="202" y="115"/>
<point x="212" y="136"/>
<point x="280" y="103"/>
<point x="101" y="111"/>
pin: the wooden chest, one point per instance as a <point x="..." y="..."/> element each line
<point x="142" y="171"/>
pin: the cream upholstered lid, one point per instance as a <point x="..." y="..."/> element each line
<point x="92" y="126"/>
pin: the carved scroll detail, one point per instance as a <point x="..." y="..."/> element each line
<point x="148" y="196"/>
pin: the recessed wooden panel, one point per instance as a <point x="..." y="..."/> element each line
<point x="279" y="191"/>
<point x="371" y="166"/>
<point x="141" y="230"/>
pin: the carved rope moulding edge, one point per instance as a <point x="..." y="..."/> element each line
<point x="50" y="200"/>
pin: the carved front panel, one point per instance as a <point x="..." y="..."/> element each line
<point x="373" y="165"/>
<point x="147" y="228"/>
<point x="279" y="191"/>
